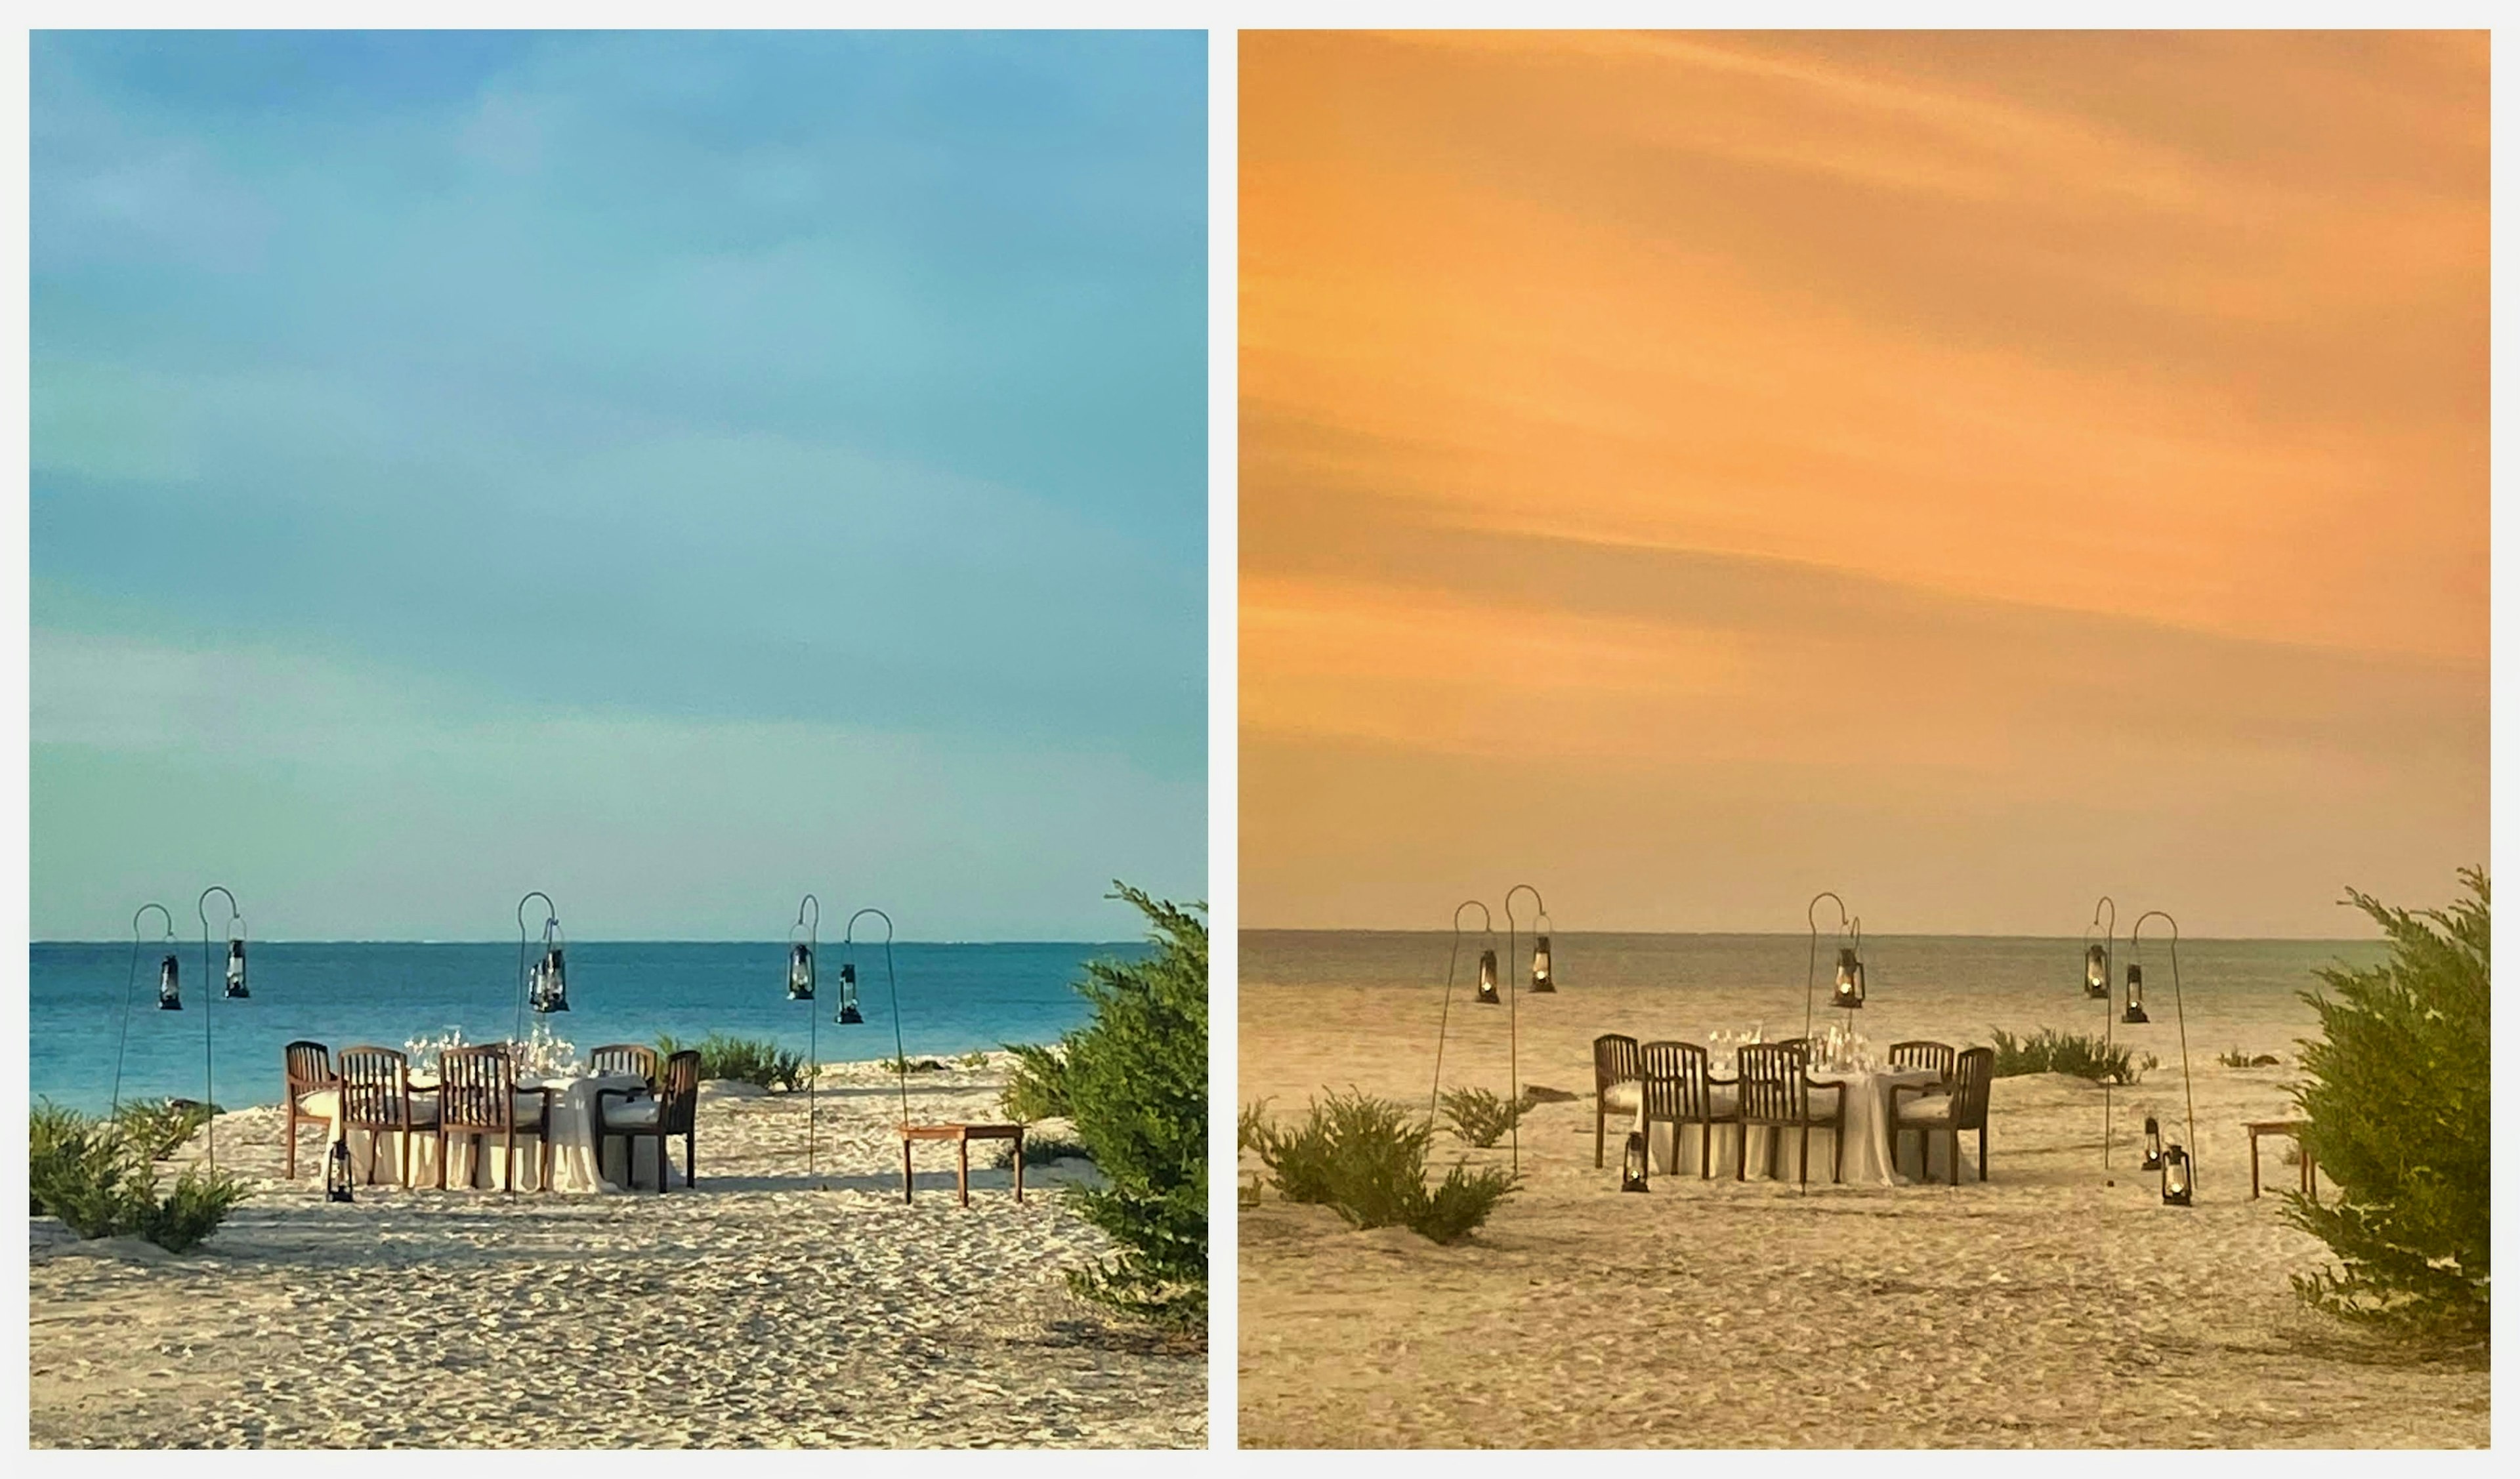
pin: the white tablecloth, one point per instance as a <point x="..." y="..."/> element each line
<point x="1868" y="1132"/>
<point x="572" y="1127"/>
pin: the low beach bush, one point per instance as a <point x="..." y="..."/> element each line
<point x="160" y="1129"/>
<point x="1135" y="1082"/>
<point x="189" y="1213"/>
<point x="1364" y="1158"/>
<point x="2236" y="1058"/>
<point x="1037" y="1088"/>
<point x="102" y="1182"/>
<point x="2398" y="1095"/>
<point x="913" y="1065"/>
<point x="83" y="1171"/>
<point x="755" y="1060"/>
<point x="2078" y="1053"/>
<point x="1479" y="1116"/>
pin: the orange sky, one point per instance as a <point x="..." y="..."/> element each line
<point x="1971" y="473"/>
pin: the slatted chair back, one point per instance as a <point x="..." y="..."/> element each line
<point x="1920" y="1054"/>
<point x="375" y="1086"/>
<point x="476" y="1089"/>
<point x="1774" y="1091"/>
<point x="624" y="1057"/>
<point x="678" y="1093"/>
<point x="1972" y="1083"/>
<point x="306" y="1068"/>
<point x="1676" y="1082"/>
<point x="1614" y="1061"/>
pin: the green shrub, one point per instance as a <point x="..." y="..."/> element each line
<point x="755" y="1060"/>
<point x="1461" y="1203"/>
<point x="50" y="1129"/>
<point x="2236" y="1058"/>
<point x="86" y="1173"/>
<point x="2078" y="1053"/>
<point x="912" y="1065"/>
<point x="1135" y="1086"/>
<point x="2398" y="1092"/>
<point x="191" y="1211"/>
<point x="160" y="1129"/>
<point x="1037" y="1089"/>
<point x="1250" y="1124"/>
<point x="1479" y="1116"/>
<point x="1366" y="1159"/>
<point x="102" y="1182"/>
<point x="974" y="1060"/>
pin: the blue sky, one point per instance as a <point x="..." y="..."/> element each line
<point x="673" y="471"/>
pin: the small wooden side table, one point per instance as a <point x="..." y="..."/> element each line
<point x="962" y="1136"/>
<point x="2309" y="1161"/>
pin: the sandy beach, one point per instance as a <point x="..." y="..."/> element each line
<point x="759" y="1311"/>
<point x="2042" y="1308"/>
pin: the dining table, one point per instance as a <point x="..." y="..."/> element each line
<point x="575" y="1166"/>
<point x="1870" y="1161"/>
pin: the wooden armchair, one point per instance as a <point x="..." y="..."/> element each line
<point x="478" y="1099"/>
<point x="1779" y="1092"/>
<point x="1920" y="1054"/>
<point x="1614" y="1084"/>
<point x="1946" y="1114"/>
<point x="1679" y="1089"/>
<point x="624" y="1057"/>
<point x="377" y="1096"/>
<point x="673" y="1112"/>
<point x="312" y="1095"/>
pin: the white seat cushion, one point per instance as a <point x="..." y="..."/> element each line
<point x="322" y="1103"/>
<point x="1929" y="1109"/>
<point x="636" y="1112"/>
<point x="1623" y="1096"/>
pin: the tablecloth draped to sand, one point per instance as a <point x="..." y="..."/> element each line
<point x="1868" y="1132"/>
<point x="572" y="1122"/>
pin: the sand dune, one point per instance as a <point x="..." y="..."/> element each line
<point x="2042" y="1308"/>
<point x="761" y="1312"/>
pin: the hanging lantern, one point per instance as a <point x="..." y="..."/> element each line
<point x="1632" y="1163"/>
<point x="849" y="1014"/>
<point x="2095" y="972"/>
<point x="2177" y="1190"/>
<point x="1540" y="977"/>
<point x="236" y="969"/>
<point x="336" y="1171"/>
<point x="1850" y="979"/>
<point x="2135" y="995"/>
<point x="800" y="972"/>
<point x="171" y="995"/>
<point x="2152" y="1144"/>
<point x="1488" y="978"/>
<point x="551" y="980"/>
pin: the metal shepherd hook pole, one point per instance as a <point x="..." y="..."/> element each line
<point x="900" y="1060"/>
<point x="2135" y="937"/>
<point x="813" y="1016"/>
<point x="525" y="976"/>
<point x="1487" y="927"/>
<point x="209" y="1085"/>
<point x="1512" y="1011"/>
<point x="130" y="981"/>
<point x="2108" y="1017"/>
<point x="1811" y="970"/>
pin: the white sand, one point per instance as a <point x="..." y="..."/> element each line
<point x="2042" y="1308"/>
<point x="759" y="1311"/>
